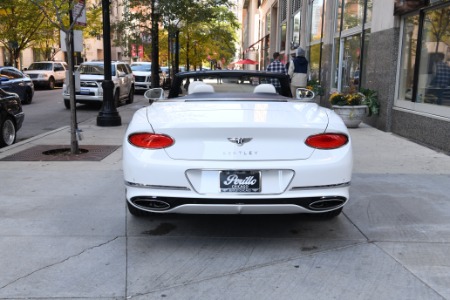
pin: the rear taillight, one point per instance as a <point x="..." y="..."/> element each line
<point x="150" y="140"/>
<point x="327" y="140"/>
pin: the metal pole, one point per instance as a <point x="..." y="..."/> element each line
<point x="155" y="46"/>
<point x="108" y="115"/>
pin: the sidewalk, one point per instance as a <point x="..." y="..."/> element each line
<point x="65" y="232"/>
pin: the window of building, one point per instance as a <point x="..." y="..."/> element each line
<point x="283" y="36"/>
<point x="295" y="38"/>
<point x="316" y="34"/>
<point x="424" y="69"/>
<point x="353" y="19"/>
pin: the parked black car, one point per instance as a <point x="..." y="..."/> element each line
<point x="14" y="81"/>
<point x="11" y="117"/>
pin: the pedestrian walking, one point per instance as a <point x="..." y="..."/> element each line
<point x="276" y="66"/>
<point x="298" y="71"/>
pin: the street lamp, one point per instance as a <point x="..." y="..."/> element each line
<point x="108" y="115"/>
<point x="155" y="46"/>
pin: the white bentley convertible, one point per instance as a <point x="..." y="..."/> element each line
<point x="224" y="142"/>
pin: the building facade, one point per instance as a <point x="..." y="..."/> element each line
<point x="399" y="48"/>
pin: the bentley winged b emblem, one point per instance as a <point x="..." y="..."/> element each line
<point x="240" y="141"/>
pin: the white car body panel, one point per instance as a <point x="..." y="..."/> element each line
<point x="190" y="168"/>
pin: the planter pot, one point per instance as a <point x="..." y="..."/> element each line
<point x="351" y="115"/>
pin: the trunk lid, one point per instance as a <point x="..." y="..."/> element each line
<point x="238" y="130"/>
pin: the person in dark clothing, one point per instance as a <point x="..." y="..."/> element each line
<point x="298" y="71"/>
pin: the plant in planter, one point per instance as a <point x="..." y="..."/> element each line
<point x="314" y="85"/>
<point x="350" y="107"/>
<point x="371" y="100"/>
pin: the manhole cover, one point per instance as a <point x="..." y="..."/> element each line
<point x="62" y="153"/>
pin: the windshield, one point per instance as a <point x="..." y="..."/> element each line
<point x="232" y="82"/>
<point x="95" y="69"/>
<point x="41" y="67"/>
<point x="141" y="67"/>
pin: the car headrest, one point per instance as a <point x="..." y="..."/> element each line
<point x="265" y="88"/>
<point x="193" y="84"/>
<point x="202" y="88"/>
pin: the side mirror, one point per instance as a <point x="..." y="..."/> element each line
<point x="305" y="95"/>
<point x="154" y="95"/>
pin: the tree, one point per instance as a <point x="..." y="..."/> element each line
<point x="58" y="13"/>
<point x="20" y="27"/>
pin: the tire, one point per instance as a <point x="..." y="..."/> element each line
<point x="51" y="83"/>
<point x="67" y="104"/>
<point x="136" y="211"/>
<point x="130" y="98"/>
<point x="28" y="97"/>
<point x="330" y="214"/>
<point x="8" y="132"/>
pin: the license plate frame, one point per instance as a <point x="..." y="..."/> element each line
<point x="240" y="181"/>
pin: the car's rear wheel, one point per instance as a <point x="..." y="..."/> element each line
<point x="28" y="97"/>
<point x="67" y="104"/>
<point x="136" y="211"/>
<point x="8" y="132"/>
<point x="130" y="96"/>
<point x="330" y="214"/>
<point x="51" y="83"/>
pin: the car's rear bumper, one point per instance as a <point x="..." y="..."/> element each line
<point x="312" y="200"/>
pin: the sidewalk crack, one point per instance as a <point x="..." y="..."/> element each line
<point x="59" y="262"/>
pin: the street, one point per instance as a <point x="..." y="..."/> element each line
<point x="47" y="112"/>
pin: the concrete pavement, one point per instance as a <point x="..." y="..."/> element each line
<point x="65" y="232"/>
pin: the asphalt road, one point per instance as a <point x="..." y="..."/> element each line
<point x="47" y="112"/>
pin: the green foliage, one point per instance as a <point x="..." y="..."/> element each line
<point x="314" y="85"/>
<point x="371" y="100"/>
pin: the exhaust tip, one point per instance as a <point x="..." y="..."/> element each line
<point x="327" y="204"/>
<point x="150" y="204"/>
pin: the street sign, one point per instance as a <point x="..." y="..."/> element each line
<point x="79" y="10"/>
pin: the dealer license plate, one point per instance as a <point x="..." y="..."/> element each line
<point x="240" y="181"/>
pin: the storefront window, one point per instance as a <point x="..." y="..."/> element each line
<point x="434" y="72"/>
<point x="353" y="13"/>
<point x="314" y="61"/>
<point x="408" y="57"/>
<point x="316" y="20"/>
<point x="431" y="83"/>
<point x="350" y="63"/>
<point x="283" y="37"/>
<point x="295" y="41"/>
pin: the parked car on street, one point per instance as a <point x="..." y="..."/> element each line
<point x="143" y="75"/>
<point x="221" y="146"/>
<point x="11" y="117"/>
<point x="14" y="81"/>
<point x="47" y="73"/>
<point x="91" y="77"/>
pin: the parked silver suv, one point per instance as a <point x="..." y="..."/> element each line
<point x="47" y="73"/>
<point x="91" y="78"/>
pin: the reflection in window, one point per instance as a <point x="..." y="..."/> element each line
<point x="353" y="13"/>
<point x="335" y="72"/>
<point x="434" y="73"/>
<point x="295" y="41"/>
<point x="314" y="61"/>
<point x="431" y="85"/>
<point x="408" y="57"/>
<point x="283" y="37"/>
<point x="350" y="64"/>
<point x="316" y="20"/>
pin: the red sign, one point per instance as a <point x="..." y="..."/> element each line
<point x="141" y="51"/>
<point x="133" y="50"/>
